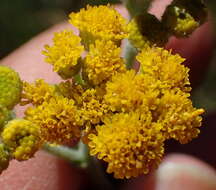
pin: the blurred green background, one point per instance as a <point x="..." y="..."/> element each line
<point x="22" y="19"/>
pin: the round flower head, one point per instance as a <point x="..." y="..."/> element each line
<point x="58" y="119"/>
<point x="64" y="54"/>
<point x="130" y="91"/>
<point x="102" y="62"/>
<point x="37" y="93"/>
<point x="93" y="109"/>
<point x="165" y="67"/>
<point x="130" y="143"/>
<point x="10" y="87"/>
<point x="178" y="116"/>
<point x="22" y="137"/>
<point x="99" y="22"/>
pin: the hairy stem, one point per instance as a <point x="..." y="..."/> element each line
<point x="79" y="157"/>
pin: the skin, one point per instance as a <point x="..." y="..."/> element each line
<point x="45" y="171"/>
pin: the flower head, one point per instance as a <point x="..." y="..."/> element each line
<point x="58" y="119"/>
<point x="22" y="137"/>
<point x="129" y="91"/>
<point x="162" y="65"/>
<point x="102" y="62"/>
<point x="130" y="143"/>
<point x="99" y="22"/>
<point x="37" y="93"/>
<point x="180" y="119"/>
<point x="10" y="87"/>
<point x="64" y="53"/>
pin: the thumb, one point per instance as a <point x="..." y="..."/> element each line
<point x="179" y="172"/>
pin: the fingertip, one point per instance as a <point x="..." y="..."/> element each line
<point x="184" y="172"/>
<point x="177" y="172"/>
<point x="44" y="171"/>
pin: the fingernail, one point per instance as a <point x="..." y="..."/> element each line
<point x="185" y="176"/>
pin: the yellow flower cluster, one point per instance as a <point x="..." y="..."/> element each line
<point x="22" y="137"/>
<point x="123" y="116"/>
<point x="152" y="102"/>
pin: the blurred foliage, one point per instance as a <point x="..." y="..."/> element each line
<point x="22" y="19"/>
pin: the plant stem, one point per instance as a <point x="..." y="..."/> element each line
<point x="129" y="54"/>
<point x="79" y="157"/>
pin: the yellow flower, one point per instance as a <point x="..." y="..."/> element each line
<point x="130" y="143"/>
<point x="64" y="54"/>
<point x="179" y="20"/>
<point x="99" y="22"/>
<point x="178" y="116"/>
<point x="58" y="119"/>
<point x="93" y="108"/>
<point x="10" y="87"/>
<point x="102" y="62"/>
<point x="37" y="93"/>
<point x="71" y="90"/>
<point x="128" y="91"/>
<point x="162" y="65"/>
<point x="22" y="137"/>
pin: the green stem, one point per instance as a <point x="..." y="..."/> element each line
<point x="129" y="54"/>
<point x="79" y="157"/>
<point x="79" y="80"/>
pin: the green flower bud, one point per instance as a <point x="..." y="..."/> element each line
<point x="10" y="87"/>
